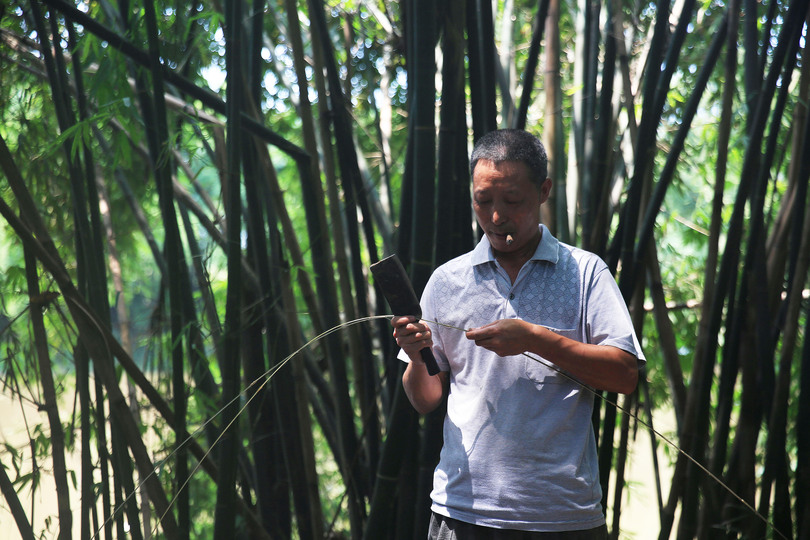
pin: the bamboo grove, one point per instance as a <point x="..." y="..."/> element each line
<point x="192" y="193"/>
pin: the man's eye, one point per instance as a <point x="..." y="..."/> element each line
<point x="482" y="202"/>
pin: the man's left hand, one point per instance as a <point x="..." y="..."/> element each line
<point x="505" y="337"/>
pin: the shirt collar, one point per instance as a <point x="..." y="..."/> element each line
<point x="547" y="249"/>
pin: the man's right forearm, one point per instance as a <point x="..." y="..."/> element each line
<point x="425" y="392"/>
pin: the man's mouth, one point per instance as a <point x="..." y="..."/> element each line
<point x="507" y="237"/>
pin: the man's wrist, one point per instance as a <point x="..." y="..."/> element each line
<point x="416" y="357"/>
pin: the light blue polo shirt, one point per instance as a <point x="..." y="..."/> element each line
<point x="519" y="449"/>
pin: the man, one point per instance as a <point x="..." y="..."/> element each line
<point x="519" y="455"/>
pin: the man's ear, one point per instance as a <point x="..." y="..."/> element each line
<point x="545" y="190"/>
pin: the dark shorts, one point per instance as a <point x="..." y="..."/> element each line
<point x="445" y="528"/>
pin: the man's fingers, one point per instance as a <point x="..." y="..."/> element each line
<point x="408" y="331"/>
<point x="481" y="333"/>
<point x="401" y="320"/>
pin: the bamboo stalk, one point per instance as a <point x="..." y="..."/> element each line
<point x="50" y="401"/>
<point x="538" y="25"/>
<point x="348" y="163"/>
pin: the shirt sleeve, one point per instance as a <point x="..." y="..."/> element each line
<point x="607" y="319"/>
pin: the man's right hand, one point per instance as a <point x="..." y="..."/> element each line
<point x="423" y="391"/>
<point x="411" y="335"/>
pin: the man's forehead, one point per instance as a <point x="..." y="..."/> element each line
<point x="504" y="174"/>
<point x="501" y="164"/>
<point x="503" y="185"/>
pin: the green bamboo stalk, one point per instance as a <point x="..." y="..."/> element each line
<point x="601" y="161"/>
<point x="397" y="443"/>
<point x="348" y="164"/>
<point x="776" y="461"/>
<point x="93" y="335"/>
<point x="158" y="134"/>
<point x="357" y="347"/>
<point x="504" y="73"/>
<point x="265" y="339"/>
<point x="647" y="226"/>
<point x="703" y="366"/>
<point x="422" y="109"/>
<point x="802" y="475"/>
<point x="758" y="360"/>
<point x="359" y="341"/>
<point x="586" y="103"/>
<point x="481" y="53"/>
<point x="629" y="402"/>
<point x="553" y="132"/>
<point x="123" y="324"/>
<point x="666" y="333"/>
<point x="532" y="61"/>
<point x="89" y="270"/>
<point x="647" y="126"/>
<point x="50" y="400"/>
<point x="798" y="260"/>
<point x="198" y="361"/>
<point x="35" y="235"/>
<point x="423" y="133"/>
<point x="97" y="285"/>
<point x="87" y="319"/>
<point x="453" y="235"/>
<point x="275" y="433"/>
<point x="9" y="493"/>
<point x="225" y="516"/>
<point x="300" y="446"/>
<point x="348" y="300"/>
<point x="55" y="80"/>
<point x="204" y="95"/>
<point x="725" y="398"/>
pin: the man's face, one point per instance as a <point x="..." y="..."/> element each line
<point x="507" y="203"/>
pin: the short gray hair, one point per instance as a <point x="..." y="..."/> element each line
<point x="513" y="145"/>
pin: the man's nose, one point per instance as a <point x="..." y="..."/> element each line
<point x="498" y="214"/>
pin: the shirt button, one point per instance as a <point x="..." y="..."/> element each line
<point x="511" y="296"/>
